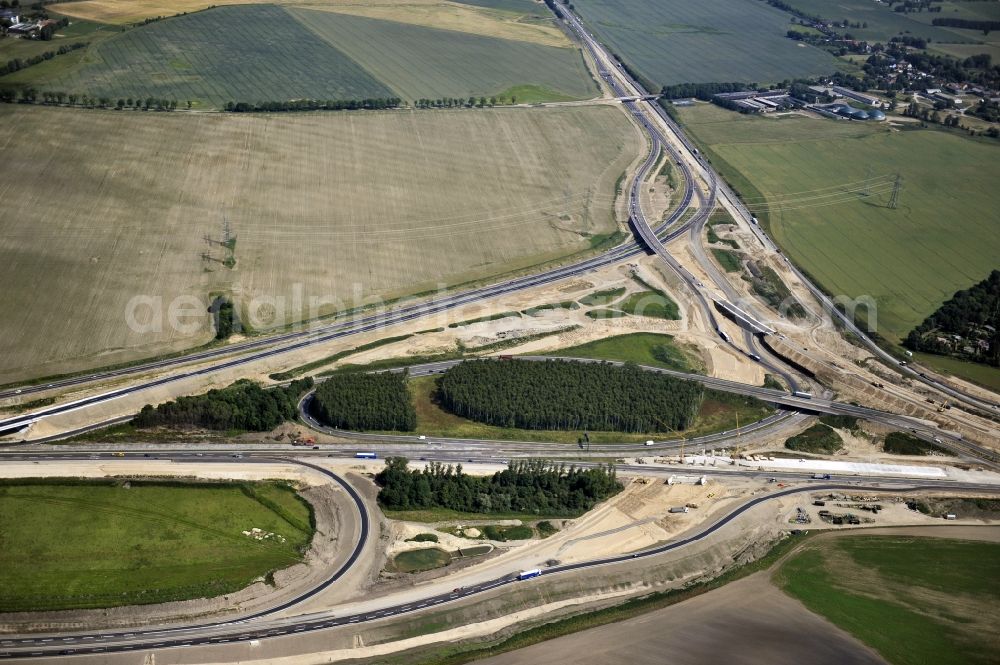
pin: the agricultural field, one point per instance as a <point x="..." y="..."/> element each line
<point x="425" y="62"/>
<point x="76" y="544"/>
<point x="880" y="23"/>
<point x="523" y="20"/>
<point x="249" y="54"/>
<point x="327" y="210"/>
<point x="677" y="41"/>
<point x="914" y="600"/>
<point x="806" y="179"/>
<point x="519" y="20"/>
<point x="259" y="53"/>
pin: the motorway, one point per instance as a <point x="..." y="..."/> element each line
<point x="719" y="187"/>
<point x="654" y="239"/>
<point x="253" y="628"/>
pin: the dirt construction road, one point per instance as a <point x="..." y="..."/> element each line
<point x="747" y="622"/>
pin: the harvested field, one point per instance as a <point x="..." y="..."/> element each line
<point x="748" y="621"/>
<point x="120" y="12"/>
<point x="265" y="53"/>
<point x="327" y="209"/>
<point x="248" y="54"/>
<point x="678" y="41"/>
<point x="522" y="20"/>
<point x="426" y="62"/>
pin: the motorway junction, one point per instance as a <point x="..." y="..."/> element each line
<point x="689" y="510"/>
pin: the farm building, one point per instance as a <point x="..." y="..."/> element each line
<point x="26" y="29"/>
<point x="851" y="113"/>
<point x="856" y="96"/>
<point x="754" y="101"/>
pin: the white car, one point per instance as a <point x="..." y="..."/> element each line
<point x="422" y="437"/>
<point x="649" y="443"/>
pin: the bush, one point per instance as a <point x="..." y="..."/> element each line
<point x="423" y="538"/>
<point x="902" y="443"/>
<point x="817" y="439"/>
<point x="850" y="423"/>
<point x="546" y="528"/>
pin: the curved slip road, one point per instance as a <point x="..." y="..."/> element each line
<point x="364" y="532"/>
<point x="243" y="630"/>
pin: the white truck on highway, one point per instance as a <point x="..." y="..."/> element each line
<point x="528" y="574"/>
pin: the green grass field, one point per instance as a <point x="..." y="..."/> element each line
<point x="678" y="41"/>
<point x="653" y="349"/>
<point x="914" y="600"/>
<point x="984" y="375"/>
<point x="804" y="177"/>
<point x="238" y="53"/>
<point x="77" y="545"/>
<point x="420" y="62"/>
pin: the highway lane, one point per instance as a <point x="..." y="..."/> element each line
<point x="696" y="224"/>
<point x="726" y="193"/>
<point x="245" y="629"/>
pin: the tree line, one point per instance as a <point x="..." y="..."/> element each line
<point x="371" y="103"/>
<point x="967" y="24"/>
<point x="59" y="98"/>
<point x="17" y="64"/>
<point x="360" y="401"/>
<point x="244" y="405"/>
<point x="461" y="102"/>
<point x="525" y="486"/>
<point x="703" y="91"/>
<point x="563" y="395"/>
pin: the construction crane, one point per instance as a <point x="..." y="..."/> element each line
<point x="674" y="432"/>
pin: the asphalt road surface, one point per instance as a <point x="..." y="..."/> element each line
<point x="248" y="628"/>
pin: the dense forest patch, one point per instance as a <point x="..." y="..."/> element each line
<point x="526" y="486"/>
<point x="358" y="401"/>
<point x="560" y="395"/>
<point x="243" y="405"/>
